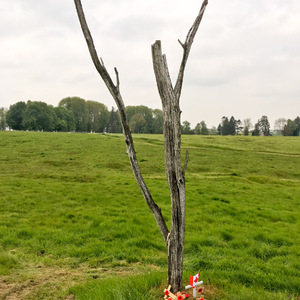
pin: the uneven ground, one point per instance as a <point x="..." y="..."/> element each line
<point x="72" y="216"/>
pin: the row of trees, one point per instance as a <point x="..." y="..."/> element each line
<point x="288" y="127"/>
<point x="77" y="114"/>
<point x="232" y="126"/>
<point x="261" y="127"/>
<point x="72" y="114"/>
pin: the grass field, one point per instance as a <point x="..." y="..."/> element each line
<point x="73" y="222"/>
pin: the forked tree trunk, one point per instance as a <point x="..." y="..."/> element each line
<point x="175" y="175"/>
<point x="174" y="239"/>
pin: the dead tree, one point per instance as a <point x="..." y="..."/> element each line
<point x="174" y="238"/>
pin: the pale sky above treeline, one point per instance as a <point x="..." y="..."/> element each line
<point x="245" y="60"/>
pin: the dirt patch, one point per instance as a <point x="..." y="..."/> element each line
<point x="44" y="280"/>
<point x="208" y="292"/>
<point x="12" y="291"/>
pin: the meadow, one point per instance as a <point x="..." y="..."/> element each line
<point x="73" y="223"/>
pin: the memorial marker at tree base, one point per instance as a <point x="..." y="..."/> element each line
<point x="177" y="296"/>
<point x="194" y="282"/>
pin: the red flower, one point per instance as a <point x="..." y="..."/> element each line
<point x="201" y="299"/>
<point x="180" y="297"/>
<point x="166" y="293"/>
<point x="200" y="290"/>
<point x="187" y="295"/>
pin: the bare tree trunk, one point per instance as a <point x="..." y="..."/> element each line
<point x="172" y="141"/>
<point x="175" y="176"/>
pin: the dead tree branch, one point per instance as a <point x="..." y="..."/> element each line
<point x="187" y="48"/>
<point x="115" y="92"/>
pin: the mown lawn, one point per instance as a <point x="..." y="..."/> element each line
<point x="73" y="221"/>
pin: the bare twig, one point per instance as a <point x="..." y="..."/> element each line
<point x="118" y="79"/>
<point x="182" y="45"/>
<point x="186" y="162"/>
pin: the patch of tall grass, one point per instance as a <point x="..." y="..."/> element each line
<point x="135" y="287"/>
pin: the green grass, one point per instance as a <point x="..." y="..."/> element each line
<point x="69" y="205"/>
<point x="122" y="288"/>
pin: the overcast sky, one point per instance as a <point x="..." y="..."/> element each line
<point x="245" y="60"/>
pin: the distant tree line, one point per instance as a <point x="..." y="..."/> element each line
<point x="261" y="127"/>
<point x="288" y="127"/>
<point x="79" y="115"/>
<point x="71" y="114"/>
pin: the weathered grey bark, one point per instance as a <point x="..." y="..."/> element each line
<point x="170" y="96"/>
<point x="172" y="141"/>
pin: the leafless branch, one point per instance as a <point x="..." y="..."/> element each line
<point x="187" y="48"/>
<point x="115" y="92"/>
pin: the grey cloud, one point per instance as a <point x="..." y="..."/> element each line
<point x="137" y="28"/>
<point x="246" y="53"/>
<point x="27" y="16"/>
